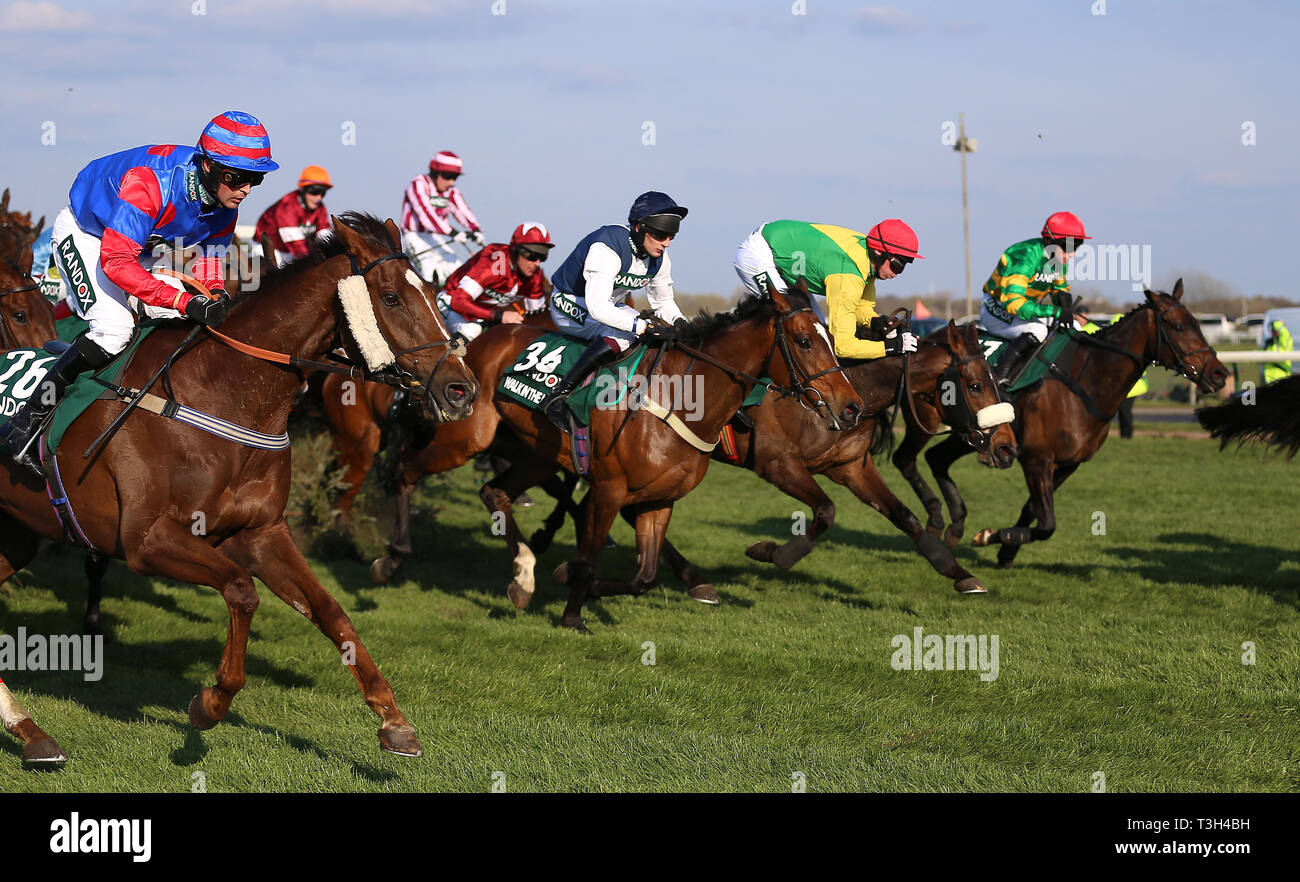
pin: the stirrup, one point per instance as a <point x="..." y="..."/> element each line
<point x="557" y="411"/>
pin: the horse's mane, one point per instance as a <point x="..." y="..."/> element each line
<point x="369" y="227"/>
<point x="707" y="324"/>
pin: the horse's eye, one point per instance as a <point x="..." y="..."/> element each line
<point x="976" y="388"/>
<point x="803" y="342"/>
<point x="390" y="299"/>
<point x="20" y="317"/>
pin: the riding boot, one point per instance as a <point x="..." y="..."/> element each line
<point x="1013" y="357"/>
<point x="17" y="434"/>
<point x="596" y="353"/>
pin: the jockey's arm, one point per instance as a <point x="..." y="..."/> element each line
<point x="139" y="205"/>
<point x="844" y="307"/>
<point x="463" y="302"/>
<point x="599" y="269"/>
<point x="659" y="293"/>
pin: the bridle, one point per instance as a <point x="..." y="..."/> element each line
<point x="802" y="385"/>
<point x="961" y="416"/>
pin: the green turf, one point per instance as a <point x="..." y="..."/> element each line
<point x="1119" y="653"/>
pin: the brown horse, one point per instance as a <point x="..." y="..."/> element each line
<point x="26" y="315"/>
<point x="637" y="460"/>
<point x="787" y="446"/>
<point x="142" y="496"/>
<point x="1063" y="421"/>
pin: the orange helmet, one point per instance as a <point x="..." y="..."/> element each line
<point x="314" y="175"/>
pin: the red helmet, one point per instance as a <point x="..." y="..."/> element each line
<point x="892" y="236"/>
<point x="533" y="234"/>
<point x="446" y="161"/>
<point x="1063" y="225"/>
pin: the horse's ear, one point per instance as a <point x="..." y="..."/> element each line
<point x="1177" y="293"/>
<point x="347" y="234"/>
<point x="778" y="299"/>
<point x="394" y="234"/>
<point x="1150" y="296"/>
<point x="25" y="258"/>
<point x="953" y="333"/>
<point x="40" y="225"/>
<point x="4" y="202"/>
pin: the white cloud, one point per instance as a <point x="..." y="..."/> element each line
<point x="28" y="17"/>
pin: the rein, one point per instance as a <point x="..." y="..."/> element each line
<point x="389" y="377"/>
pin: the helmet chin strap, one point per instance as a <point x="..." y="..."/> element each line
<point x="638" y="240"/>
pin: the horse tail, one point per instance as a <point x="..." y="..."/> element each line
<point x="882" y="443"/>
<point x="1273" y="418"/>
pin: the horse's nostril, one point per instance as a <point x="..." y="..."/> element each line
<point x="457" y="392"/>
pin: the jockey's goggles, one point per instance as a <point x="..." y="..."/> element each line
<point x="898" y="264"/>
<point x="451" y="176"/>
<point x="529" y="254"/>
<point x="236" y="178"/>
<point x="315" y="190"/>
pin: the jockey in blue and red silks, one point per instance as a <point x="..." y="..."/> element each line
<point x="120" y="208"/>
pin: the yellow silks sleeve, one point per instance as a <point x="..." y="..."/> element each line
<point x="845" y="304"/>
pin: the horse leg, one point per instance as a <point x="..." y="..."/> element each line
<point x="1043" y="499"/>
<point x="357" y="462"/>
<point x="561" y="489"/>
<point x="904" y="460"/>
<point x="383" y="568"/>
<point x="96" y="568"/>
<point x="270" y="553"/>
<point x="794" y="478"/>
<point x="697" y="586"/>
<point x="1040" y="478"/>
<point x="866" y="483"/>
<point x="651" y="526"/>
<point x="601" y="507"/>
<point x="940" y="458"/>
<point x="18" y="546"/>
<point x="170" y="550"/>
<point x="497" y="494"/>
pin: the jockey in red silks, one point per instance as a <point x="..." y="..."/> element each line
<point x="486" y="288"/>
<point x="296" y="219"/>
<point x="429" y="206"/>
<point x="120" y="208"/>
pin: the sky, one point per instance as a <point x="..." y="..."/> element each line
<point x="1170" y="128"/>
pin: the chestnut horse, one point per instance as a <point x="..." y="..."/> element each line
<point x="787" y="446"/>
<point x="637" y="461"/>
<point x="139" y="497"/>
<point x="1062" y="422"/>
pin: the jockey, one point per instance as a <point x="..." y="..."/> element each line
<point x="294" y="221"/>
<point x="1017" y="297"/>
<point x="486" y="289"/>
<point x="118" y="205"/>
<point x="1278" y="340"/>
<point x="840" y="268"/>
<point x="606" y="267"/>
<point x="429" y="205"/>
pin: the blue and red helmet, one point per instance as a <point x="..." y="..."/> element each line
<point x="237" y="140"/>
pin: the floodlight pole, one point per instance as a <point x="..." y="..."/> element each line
<point x="963" y="147"/>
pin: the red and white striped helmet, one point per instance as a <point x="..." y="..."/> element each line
<point x="446" y="161"/>
<point x="532" y="233"/>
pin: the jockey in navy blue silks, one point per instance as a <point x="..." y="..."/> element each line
<point x="119" y="207"/>
<point x="597" y="277"/>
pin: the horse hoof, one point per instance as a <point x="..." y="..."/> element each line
<point x="792" y="552"/>
<point x="576" y="623"/>
<point x="199" y="718"/>
<point x="401" y="741"/>
<point x="951" y="537"/>
<point x="761" y="551"/>
<point x="539" y="542"/>
<point x="44" y="753"/>
<point x="1004" y="565"/>
<point x="518" y="596"/>
<point x="704" y="594"/>
<point x="382" y="569"/>
<point x="970" y="585"/>
<point x="983" y="537"/>
<point x="561" y="573"/>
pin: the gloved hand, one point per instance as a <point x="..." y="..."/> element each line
<point x="879" y="326"/>
<point x="460" y="237"/>
<point x="681" y="324"/>
<point x="208" y="312"/>
<point x="1034" y="310"/>
<point x="648" y="333"/>
<point x="477" y="237"/>
<point x="898" y="342"/>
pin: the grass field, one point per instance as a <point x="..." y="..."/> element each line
<point x="1119" y="653"/>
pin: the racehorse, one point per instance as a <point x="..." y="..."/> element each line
<point x="637" y="459"/>
<point x="141" y="496"/>
<point x="26" y="316"/>
<point x="787" y="446"/>
<point x="1062" y="422"/>
<point x="1271" y="416"/>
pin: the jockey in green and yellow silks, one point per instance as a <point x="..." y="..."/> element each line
<point x="1278" y="340"/>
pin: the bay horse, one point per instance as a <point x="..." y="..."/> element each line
<point x="638" y="462"/>
<point x="787" y="446"/>
<point x="1062" y="422"/>
<point x="141" y="496"/>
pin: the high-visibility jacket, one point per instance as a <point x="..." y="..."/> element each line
<point x="1278" y="341"/>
